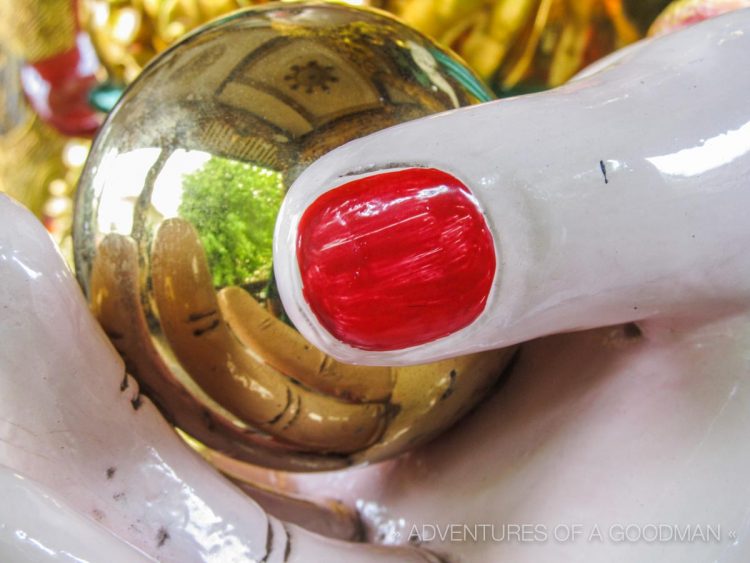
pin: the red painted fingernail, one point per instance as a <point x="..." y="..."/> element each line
<point x="396" y="259"/>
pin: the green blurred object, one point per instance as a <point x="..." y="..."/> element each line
<point x="105" y="96"/>
<point x="233" y="206"/>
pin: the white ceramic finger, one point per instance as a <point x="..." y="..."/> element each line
<point x="619" y="197"/>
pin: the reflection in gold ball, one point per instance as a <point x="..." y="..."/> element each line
<point x="174" y="226"/>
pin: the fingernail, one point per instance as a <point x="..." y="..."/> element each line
<point x="396" y="259"/>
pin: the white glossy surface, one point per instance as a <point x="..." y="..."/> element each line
<point x="665" y="236"/>
<point x="36" y="526"/>
<point x="593" y="429"/>
<point x="68" y="423"/>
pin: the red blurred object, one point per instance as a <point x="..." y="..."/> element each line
<point x="683" y="13"/>
<point x="396" y="259"/>
<point x="58" y="89"/>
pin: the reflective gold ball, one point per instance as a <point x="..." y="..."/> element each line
<point x="174" y="222"/>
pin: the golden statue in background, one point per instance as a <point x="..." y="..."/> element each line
<point x="534" y="44"/>
<point x="525" y="45"/>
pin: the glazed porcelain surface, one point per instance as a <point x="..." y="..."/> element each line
<point x="36" y="526"/>
<point x="603" y="445"/>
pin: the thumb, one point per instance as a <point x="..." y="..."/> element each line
<point x="619" y="197"/>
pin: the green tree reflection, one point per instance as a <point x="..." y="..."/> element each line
<point x="233" y="206"/>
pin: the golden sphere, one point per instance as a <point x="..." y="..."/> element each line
<point x="174" y="222"/>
